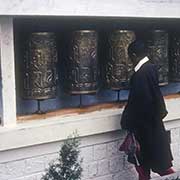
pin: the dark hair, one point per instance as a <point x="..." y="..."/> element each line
<point x="137" y="47"/>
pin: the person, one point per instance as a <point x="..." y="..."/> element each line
<point x="143" y="115"/>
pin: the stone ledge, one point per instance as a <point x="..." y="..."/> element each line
<point x="168" y="177"/>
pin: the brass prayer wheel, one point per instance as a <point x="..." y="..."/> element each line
<point x="157" y="45"/>
<point x="118" y="66"/>
<point x="40" y="62"/>
<point x="81" y="71"/>
<point x="174" y="68"/>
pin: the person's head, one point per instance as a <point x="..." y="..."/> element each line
<point x="137" y="51"/>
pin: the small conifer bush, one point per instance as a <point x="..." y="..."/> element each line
<point x="68" y="164"/>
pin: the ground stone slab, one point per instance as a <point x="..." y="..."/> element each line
<point x="169" y="177"/>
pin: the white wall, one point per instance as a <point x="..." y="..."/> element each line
<point x="122" y="8"/>
<point x="101" y="158"/>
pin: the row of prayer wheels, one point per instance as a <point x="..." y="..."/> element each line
<point x="84" y="68"/>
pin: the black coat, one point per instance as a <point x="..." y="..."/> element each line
<point x="143" y="115"/>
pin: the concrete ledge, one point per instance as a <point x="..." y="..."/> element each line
<point x="57" y="128"/>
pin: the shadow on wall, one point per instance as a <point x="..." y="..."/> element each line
<point x="67" y="101"/>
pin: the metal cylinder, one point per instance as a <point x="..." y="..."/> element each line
<point x="174" y="64"/>
<point x="157" y="45"/>
<point x="118" y="66"/>
<point x="81" y="63"/>
<point x="39" y="72"/>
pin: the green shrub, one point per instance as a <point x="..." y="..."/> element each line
<point x="68" y="164"/>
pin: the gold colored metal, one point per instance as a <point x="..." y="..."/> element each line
<point x="40" y="63"/>
<point x="157" y="44"/>
<point x="174" y="63"/>
<point x="81" y="70"/>
<point x="117" y="65"/>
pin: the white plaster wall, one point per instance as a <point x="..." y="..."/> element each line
<point x="121" y="8"/>
<point x="8" y="104"/>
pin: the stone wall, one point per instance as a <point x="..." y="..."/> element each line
<point x="102" y="160"/>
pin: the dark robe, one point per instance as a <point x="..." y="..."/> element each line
<point x="143" y="115"/>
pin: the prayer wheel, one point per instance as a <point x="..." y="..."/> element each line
<point x="174" y="63"/>
<point x="118" y="66"/>
<point x="157" y="46"/>
<point x="40" y="63"/>
<point x="81" y="71"/>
